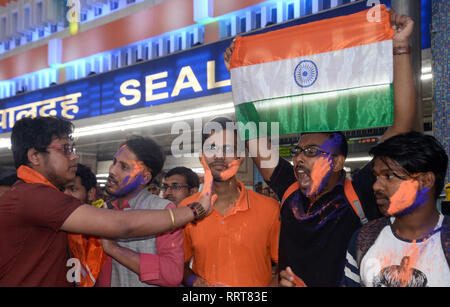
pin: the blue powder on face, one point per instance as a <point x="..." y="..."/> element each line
<point x="421" y="199"/>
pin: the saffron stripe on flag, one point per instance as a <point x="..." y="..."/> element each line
<point x="331" y="75"/>
<point x="317" y="37"/>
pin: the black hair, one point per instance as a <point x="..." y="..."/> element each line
<point x="147" y="151"/>
<point x="88" y="179"/>
<point x="37" y="133"/>
<point x="191" y="177"/>
<point x="155" y="181"/>
<point x="416" y="153"/>
<point x="211" y="126"/>
<point x="8" y="180"/>
<point x="342" y="146"/>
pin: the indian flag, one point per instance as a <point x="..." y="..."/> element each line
<point x="330" y="75"/>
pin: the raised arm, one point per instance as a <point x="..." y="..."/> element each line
<point x="260" y="150"/>
<point x="404" y="87"/>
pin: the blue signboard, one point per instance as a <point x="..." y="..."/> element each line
<point x="185" y="75"/>
<point x="190" y="74"/>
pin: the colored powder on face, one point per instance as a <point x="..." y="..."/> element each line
<point x="407" y="198"/>
<point x="323" y="166"/>
<point x="332" y="144"/>
<point x="231" y="171"/>
<point x="320" y="173"/>
<point x="136" y="178"/>
<point x="122" y="148"/>
<point x="138" y="168"/>
<point x="131" y="185"/>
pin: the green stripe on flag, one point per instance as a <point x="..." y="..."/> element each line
<point x="350" y="109"/>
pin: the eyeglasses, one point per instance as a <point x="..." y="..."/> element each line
<point x="310" y="152"/>
<point x="174" y="187"/>
<point x="68" y="149"/>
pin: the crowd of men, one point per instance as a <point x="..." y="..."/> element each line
<point x="312" y="227"/>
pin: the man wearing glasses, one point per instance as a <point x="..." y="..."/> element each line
<point x="179" y="183"/>
<point x="35" y="216"/>
<point x="317" y="218"/>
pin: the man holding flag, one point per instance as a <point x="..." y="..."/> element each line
<point x="343" y="81"/>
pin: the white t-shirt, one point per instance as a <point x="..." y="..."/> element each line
<point x="392" y="261"/>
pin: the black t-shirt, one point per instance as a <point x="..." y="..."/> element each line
<point x="314" y="239"/>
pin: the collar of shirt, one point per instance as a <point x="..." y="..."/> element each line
<point x="115" y="204"/>
<point x="242" y="203"/>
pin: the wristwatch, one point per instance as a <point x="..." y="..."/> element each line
<point x="402" y="50"/>
<point x="198" y="211"/>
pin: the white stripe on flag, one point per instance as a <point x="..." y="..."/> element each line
<point x="365" y="65"/>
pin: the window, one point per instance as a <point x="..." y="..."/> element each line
<point x="97" y="11"/>
<point x="273" y="13"/>
<point x="258" y="20"/>
<point x="290" y="11"/>
<point x="27" y="17"/>
<point x="39" y="13"/>
<point x="3" y="27"/>
<point x="243" y="25"/>
<point x="113" y="4"/>
<point x="15" y="22"/>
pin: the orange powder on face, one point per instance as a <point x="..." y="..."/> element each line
<point x="232" y="169"/>
<point x="138" y="168"/>
<point x="320" y="170"/>
<point x="404" y="197"/>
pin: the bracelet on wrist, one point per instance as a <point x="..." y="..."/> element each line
<point x="197" y="210"/>
<point x="172" y="217"/>
<point x="402" y="50"/>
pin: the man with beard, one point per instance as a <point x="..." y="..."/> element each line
<point x="409" y="247"/>
<point x="234" y="245"/>
<point x="35" y="216"/>
<point x="320" y="209"/>
<point x="150" y="261"/>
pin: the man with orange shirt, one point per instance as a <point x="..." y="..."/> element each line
<point x="235" y="244"/>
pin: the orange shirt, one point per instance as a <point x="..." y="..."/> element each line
<point x="235" y="249"/>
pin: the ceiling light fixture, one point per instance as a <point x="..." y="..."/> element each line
<point x="145" y="121"/>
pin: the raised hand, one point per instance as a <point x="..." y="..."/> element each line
<point x="289" y="279"/>
<point x="207" y="199"/>
<point x="403" y="26"/>
<point x="227" y="55"/>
